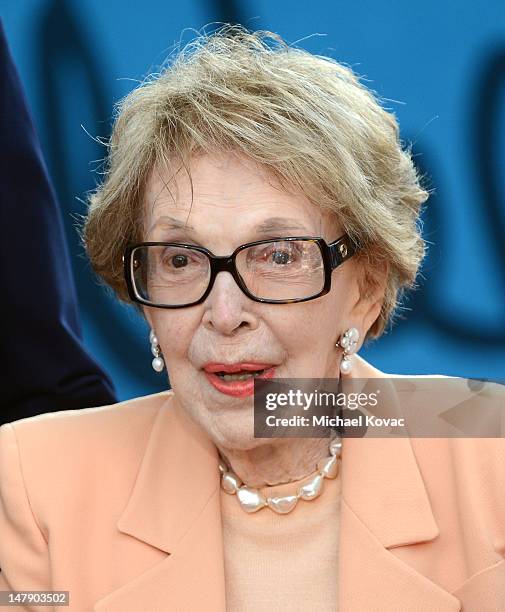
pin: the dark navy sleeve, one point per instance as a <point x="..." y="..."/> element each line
<point x="44" y="365"/>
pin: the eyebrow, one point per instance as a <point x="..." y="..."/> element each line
<point x="171" y="223"/>
<point x="267" y="226"/>
<point x="274" y="224"/>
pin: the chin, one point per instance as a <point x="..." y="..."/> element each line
<point x="243" y="444"/>
<point x="239" y="437"/>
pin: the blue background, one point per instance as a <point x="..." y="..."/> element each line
<point x="441" y="68"/>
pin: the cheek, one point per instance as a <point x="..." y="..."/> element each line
<point x="341" y="299"/>
<point x="311" y="323"/>
<point x="333" y="307"/>
<point x="174" y="331"/>
<point x="317" y="324"/>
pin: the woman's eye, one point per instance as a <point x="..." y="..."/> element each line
<point x="178" y="261"/>
<point x="172" y="260"/>
<point x="280" y="257"/>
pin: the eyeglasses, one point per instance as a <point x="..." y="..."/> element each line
<point x="275" y="271"/>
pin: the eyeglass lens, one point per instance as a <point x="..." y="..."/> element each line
<point x="277" y="270"/>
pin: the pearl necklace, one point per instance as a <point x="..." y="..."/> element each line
<point x="252" y="500"/>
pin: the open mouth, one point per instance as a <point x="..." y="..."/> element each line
<point x="237" y="379"/>
<point x="242" y="375"/>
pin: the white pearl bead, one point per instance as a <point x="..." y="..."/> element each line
<point x="152" y="336"/>
<point x="336" y="447"/>
<point x="250" y="499"/>
<point x="345" y="365"/>
<point x="155" y="350"/>
<point x="231" y="482"/>
<point x="353" y="334"/>
<point x="344" y="342"/>
<point x="158" y="364"/>
<point x="282" y="505"/>
<point x="312" y="489"/>
<point x="328" y="467"/>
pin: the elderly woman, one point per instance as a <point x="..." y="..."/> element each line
<point x="260" y="211"/>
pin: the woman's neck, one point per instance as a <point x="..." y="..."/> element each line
<point x="277" y="462"/>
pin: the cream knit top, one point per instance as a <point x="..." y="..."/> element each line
<point x="281" y="562"/>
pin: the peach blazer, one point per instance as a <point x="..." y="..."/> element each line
<point x="120" y="506"/>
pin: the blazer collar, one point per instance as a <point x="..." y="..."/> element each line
<point x="175" y="507"/>
<point x="382" y="484"/>
<point x="177" y="478"/>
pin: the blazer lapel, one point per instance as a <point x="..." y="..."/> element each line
<point x="384" y="506"/>
<point x="175" y="507"/>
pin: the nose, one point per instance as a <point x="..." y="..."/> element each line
<point x="227" y="307"/>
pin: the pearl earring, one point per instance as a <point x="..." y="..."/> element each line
<point x="157" y="363"/>
<point x="348" y="341"/>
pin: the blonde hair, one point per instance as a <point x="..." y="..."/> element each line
<point x="307" y="118"/>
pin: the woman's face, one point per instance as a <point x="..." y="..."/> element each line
<point x="235" y="201"/>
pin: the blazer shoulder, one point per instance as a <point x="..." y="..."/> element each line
<point x="477" y="401"/>
<point x="88" y="426"/>
<point x="467" y="473"/>
<point x="77" y="453"/>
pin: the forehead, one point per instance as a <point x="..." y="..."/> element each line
<point x="228" y="195"/>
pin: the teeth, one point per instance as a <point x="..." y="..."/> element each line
<point x="239" y="376"/>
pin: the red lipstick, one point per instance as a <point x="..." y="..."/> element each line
<point x="236" y="388"/>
